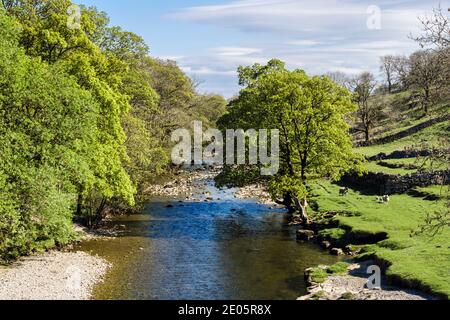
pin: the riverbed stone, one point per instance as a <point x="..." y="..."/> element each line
<point x="305" y="235"/>
<point x="337" y="252"/>
<point x="325" y="244"/>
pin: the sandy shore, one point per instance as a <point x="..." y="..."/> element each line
<point x="52" y="276"/>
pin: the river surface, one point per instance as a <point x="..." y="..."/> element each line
<point x="223" y="249"/>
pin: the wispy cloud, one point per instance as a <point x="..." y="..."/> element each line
<point x="206" y="71"/>
<point x="318" y="36"/>
<point x="235" y="51"/>
<point x="303" y="43"/>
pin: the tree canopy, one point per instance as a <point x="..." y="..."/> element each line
<point x="84" y="117"/>
<point x="310" y="114"/>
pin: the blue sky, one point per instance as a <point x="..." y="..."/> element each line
<point x="210" y="38"/>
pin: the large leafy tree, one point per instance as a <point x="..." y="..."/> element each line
<point x="48" y="127"/>
<point x="46" y="35"/>
<point x="309" y="113"/>
<point x="146" y="153"/>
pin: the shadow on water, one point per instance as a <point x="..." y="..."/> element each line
<point x="228" y="249"/>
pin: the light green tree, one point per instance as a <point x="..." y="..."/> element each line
<point x="310" y="115"/>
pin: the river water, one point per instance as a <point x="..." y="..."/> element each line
<point x="223" y="249"/>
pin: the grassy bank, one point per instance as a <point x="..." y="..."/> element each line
<point x="429" y="136"/>
<point x="418" y="261"/>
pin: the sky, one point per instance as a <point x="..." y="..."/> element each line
<point x="210" y="39"/>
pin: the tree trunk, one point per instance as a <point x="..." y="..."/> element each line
<point x="79" y="204"/>
<point x="287" y="202"/>
<point x="426" y="101"/>
<point x="367" y="134"/>
<point x="303" y="206"/>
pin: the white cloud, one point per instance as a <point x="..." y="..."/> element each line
<point x="318" y="36"/>
<point x="206" y="71"/>
<point x="235" y="51"/>
<point x="297" y="16"/>
<point x="305" y="43"/>
<point x="172" y="58"/>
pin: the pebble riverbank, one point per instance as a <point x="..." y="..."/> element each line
<point x="52" y="276"/>
<point x="353" y="286"/>
<point x="183" y="188"/>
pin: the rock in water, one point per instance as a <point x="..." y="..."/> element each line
<point x="325" y="244"/>
<point x="337" y="252"/>
<point x="305" y="235"/>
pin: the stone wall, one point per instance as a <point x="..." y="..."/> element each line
<point x="396" y="184"/>
<point x="406" y="154"/>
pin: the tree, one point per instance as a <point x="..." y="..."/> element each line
<point x="340" y="78"/>
<point x="248" y="74"/>
<point x="46" y="35"/>
<point x="309" y="112"/>
<point x="426" y="76"/>
<point x="48" y="128"/>
<point x="401" y="70"/>
<point x="388" y="69"/>
<point x="368" y="111"/>
<point x="436" y="40"/>
<point x="436" y="31"/>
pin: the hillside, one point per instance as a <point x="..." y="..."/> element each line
<point x="385" y="231"/>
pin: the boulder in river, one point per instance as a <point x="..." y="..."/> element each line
<point x="305" y="235"/>
<point x="326" y="244"/>
<point x="337" y="252"/>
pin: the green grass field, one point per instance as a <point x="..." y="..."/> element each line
<point x="376" y="168"/>
<point x="419" y="260"/>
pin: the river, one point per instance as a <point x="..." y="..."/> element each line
<point x="217" y="250"/>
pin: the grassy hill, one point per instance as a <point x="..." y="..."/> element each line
<point x="419" y="261"/>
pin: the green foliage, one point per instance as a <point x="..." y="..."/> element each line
<point x="282" y="185"/>
<point x="239" y="176"/>
<point x="84" y="120"/>
<point x="41" y="147"/>
<point x="310" y="115"/>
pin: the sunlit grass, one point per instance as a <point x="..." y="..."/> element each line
<point x="420" y="259"/>
<point x="429" y="136"/>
